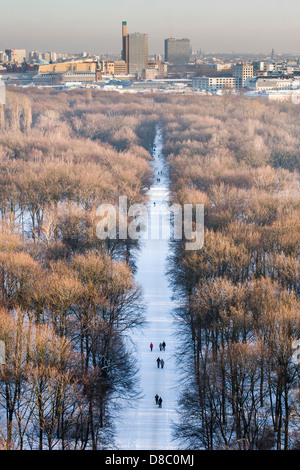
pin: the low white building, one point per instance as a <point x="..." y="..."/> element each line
<point x="264" y="83"/>
<point x="212" y="84"/>
<point x="276" y="95"/>
<point x="218" y="66"/>
<point x="150" y="74"/>
<point x="79" y="76"/>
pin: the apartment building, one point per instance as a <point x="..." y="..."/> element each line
<point x="213" y="84"/>
<point x="114" y="67"/>
<point x="3" y="57"/>
<point x="16" y="55"/>
<point x="241" y="72"/>
<point x="158" y="66"/>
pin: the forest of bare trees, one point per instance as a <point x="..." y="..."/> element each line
<point x="68" y="299"/>
<point x="239" y="295"/>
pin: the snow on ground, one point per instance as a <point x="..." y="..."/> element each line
<point x="145" y="426"/>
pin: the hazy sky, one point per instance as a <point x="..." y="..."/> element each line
<point x="95" y="25"/>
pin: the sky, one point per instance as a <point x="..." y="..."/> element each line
<point x="95" y="25"/>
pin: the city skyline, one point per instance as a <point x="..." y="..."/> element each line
<point x="95" y="27"/>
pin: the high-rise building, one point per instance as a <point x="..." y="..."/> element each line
<point x="34" y="56"/>
<point x="3" y="57"/>
<point x="16" y="55"/>
<point x="241" y="72"/>
<point x="134" y="51"/>
<point x="46" y="56"/>
<point x="177" y="51"/>
<point x="137" y="53"/>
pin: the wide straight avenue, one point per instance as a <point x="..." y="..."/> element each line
<point x="144" y="425"/>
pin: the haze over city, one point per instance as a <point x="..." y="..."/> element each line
<point x="214" y="26"/>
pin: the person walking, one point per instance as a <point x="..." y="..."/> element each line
<point x="162" y="363"/>
<point x="164" y="346"/>
<point x="151" y="346"/>
<point x="156" y="399"/>
<point x="158" y="361"/>
<point x="160" y="346"/>
<point x="159" y="402"/>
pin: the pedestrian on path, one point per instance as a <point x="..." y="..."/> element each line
<point x="162" y="363"/>
<point x="159" y="402"/>
<point x="164" y="346"/>
<point x="158" y="361"/>
<point x="160" y="346"/>
<point x="151" y="346"/>
<point x="156" y="399"/>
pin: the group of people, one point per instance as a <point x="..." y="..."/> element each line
<point x="158" y="401"/>
<point x="160" y="363"/>
<point x="162" y="346"/>
<point x="158" y="179"/>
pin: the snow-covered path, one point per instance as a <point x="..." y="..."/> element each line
<point x="145" y="426"/>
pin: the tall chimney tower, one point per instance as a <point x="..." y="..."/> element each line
<point x="124" y="41"/>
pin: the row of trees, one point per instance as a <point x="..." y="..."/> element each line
<point x="239" y="295"/>
<point x="66" y="358"/>
<point x="68" y="299"/>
